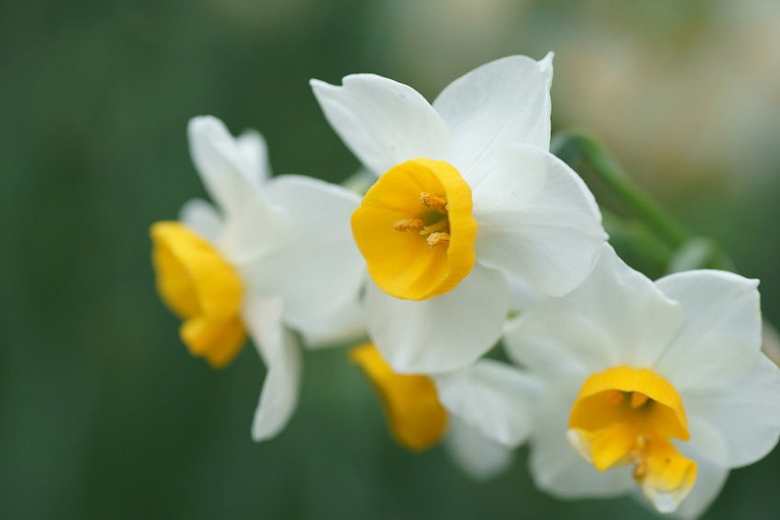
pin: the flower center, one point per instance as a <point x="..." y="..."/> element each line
<point x="202" y="288"/>
<point x="416" y="231"/>
<point x="628" y="416"/>
<point x="416" y="418"/>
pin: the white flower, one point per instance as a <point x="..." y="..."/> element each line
<point x="661" y="386"/>
<point x="482" y="411"/>
<point x="468" y="200"/>
<point x="275" y="254"/>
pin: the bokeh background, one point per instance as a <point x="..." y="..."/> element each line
<point x="102" y="412"/>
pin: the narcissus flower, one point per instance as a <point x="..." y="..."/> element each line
<point x="483" y="410"/>
<point x="653" y="387"/>
<point x="275" y="254"/>
<point x="468" y="200"/>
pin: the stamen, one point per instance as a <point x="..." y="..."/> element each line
<point x="409" y="224"/>
<point x="433" y="201"/>
<point x="442" y="225"/>
<point x="638" y="399"/>
<point x="434" y="239"/>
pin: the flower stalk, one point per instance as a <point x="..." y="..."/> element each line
<point x="684" y="250"/>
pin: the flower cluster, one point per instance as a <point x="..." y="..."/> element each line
<point x="472" y="235"/>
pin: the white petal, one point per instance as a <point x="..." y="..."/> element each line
<point x="382" y="121"/>
<point x="346" y="324"/>
<point x="281" y="355"/>
<point x="254" y="150"/>
<point x="557" y="468"/>
<point x="219" y="160"/>
<point x="721" y="309"/>
<point x="716" y="303"/>
<point x="706" y="442"/>
<point x="493" y="397"/>
<point x="441" y="334"/>
<point x="251" y="222"/>
<point x="503" y="102"/>
<point x="617" y="317"/>
<point x="746" y="411"/>
<point x="318" y="268"/>
<point x="538" y="220"/>
<point x="479" y="457"/>
<point x="201" y="216"/>
<point x="521" y="295"/>
<point x="706" y="364"/>
<point x="553" y="346"/>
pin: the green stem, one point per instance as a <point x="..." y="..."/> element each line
<point x="634" y="235"/>
<point x="574" y="148"/>
<point x="687" y="250"/>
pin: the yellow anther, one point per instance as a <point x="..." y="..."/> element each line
<point x="434" y="239"/>
<point x="409" y="224"/>
<point x="433" y="201"/>
<point x="638" y="399"/>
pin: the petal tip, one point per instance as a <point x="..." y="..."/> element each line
<point x="203" y="122"/>
<point x="207" y="128"/>
<point x="547" y="61"/>
<point x="315" y="83"/>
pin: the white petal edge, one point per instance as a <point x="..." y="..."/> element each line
<point x="537" y="220"/>
<point x="203" y="218"/>
<point x="746" y="411"/>
<point x="477" y="456"/>
<point x="492" y="397"/>
<point x="318" y="268"/>
<point x="219" y="160"/>
<point x="717" y="305"/>
<point x="251" y="223"/>
<point x="502" y="102"/>
<point x="277" y="349"/>
<point x="522" y="296"/>
<point x="441" y="334"/>
<point x="254" y="149"/>
<point x="544" y="347"/>
<point x="382" y="121"/>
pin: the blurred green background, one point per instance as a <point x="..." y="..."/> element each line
<point x="102" y="412"/>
